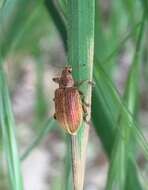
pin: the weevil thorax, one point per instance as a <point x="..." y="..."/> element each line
<point x="66" y="80"/>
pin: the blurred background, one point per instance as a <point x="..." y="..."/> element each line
<point x="34" y="54"/>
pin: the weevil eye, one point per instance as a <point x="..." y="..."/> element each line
<point x="69" y="69"/>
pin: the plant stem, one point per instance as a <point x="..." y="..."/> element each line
<point x="76" y="163"/>
<point x="81" y="18"/>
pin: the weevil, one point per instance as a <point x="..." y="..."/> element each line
<point x="70" y="107"/>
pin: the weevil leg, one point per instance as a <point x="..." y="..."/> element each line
<point x="85" y="119"/>
<point x="83" y="99"/>
<point x="54" y="116"/>
<point x="53" y="99"/>
<point x="91" y="82"/>
<point x="84" y="108"/>
<point x="79" y="83"/>
<point x="56" y="79"/>
<point x="85" y="114"/>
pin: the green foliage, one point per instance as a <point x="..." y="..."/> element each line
<point x="21" y="29"/>
<point x="123" y="150"/>
<point x="8" y="135"/>
<point x="17" y="34"/>
<point x="115" y="118"/>
<point x="122" y="137"/>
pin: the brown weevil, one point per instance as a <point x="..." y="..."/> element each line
<point x="69" y="107"/>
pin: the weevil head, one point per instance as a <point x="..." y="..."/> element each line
<point x="67" y="70"/>
<point x="66" y="79"/>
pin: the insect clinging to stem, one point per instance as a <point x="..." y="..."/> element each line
<point x="70" y="107"/>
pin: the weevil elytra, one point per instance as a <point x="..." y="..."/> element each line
<point x="69" y="107"/>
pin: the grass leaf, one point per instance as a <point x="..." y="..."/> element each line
<point x="125" y="137"/>
<point x="8" y="135"/>
<point x="81" y="16"/>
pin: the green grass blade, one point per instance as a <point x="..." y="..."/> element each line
<point x="102" y="77"/>
<point x="53" y="11"/>
<point x="2" y="3"/>
<point x="132" y="177"/>
<point x="63" y="9"/>
<point x="124" y="143"/>
<point x="13" y="21"/>
<point x="105" y="117"/>
<point x="8" y="136"/>
<point x="120" y="44"/>
<point x="82" y="48"/>
<point x="110" y="99"/>
<point x="81" y="14"/>
<point x="67" y="178"/>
